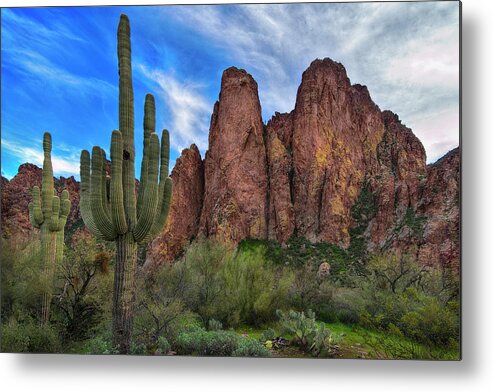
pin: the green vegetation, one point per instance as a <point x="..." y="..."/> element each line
<point x="218" y="300"/>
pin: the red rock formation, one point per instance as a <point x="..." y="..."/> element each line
<point x="336" y="129"/>
<point x="440" y="204"/>
<point x="235" y="200"/>
<point x="16" y="195"/>
<point x="281" y="212"/>
<point x="186" y="205"/>
<point x="397" y="184"/>
<point x="16" y="198"/>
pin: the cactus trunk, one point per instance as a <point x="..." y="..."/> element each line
<point x="49" y="214"/>
<point x="124" y="217"/>
<point x="124" y="291"/>
<point x="48" y="246"/>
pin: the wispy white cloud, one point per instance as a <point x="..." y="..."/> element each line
<point x="432" y="61"/>
<point x="38" y="31"/>
<point x="190" y="110"/>
<point x="65" y="162"/>
<point x="407" y="53"/>
<point x="21" y="34"/>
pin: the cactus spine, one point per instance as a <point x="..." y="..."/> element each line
<point x="49" y="214"/>
<point x="121" y="216"/>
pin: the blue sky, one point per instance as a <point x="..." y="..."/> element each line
<point x="59" y="68"/>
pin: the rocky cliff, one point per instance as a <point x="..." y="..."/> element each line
<point x="183" y="221"/>
<point x="335" y="169"/>
<point x="235" y="192"/>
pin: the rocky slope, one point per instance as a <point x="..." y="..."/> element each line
<point x="16" y="196"/>
<point x="186" y="205"/>
<point x="335" y="169"/>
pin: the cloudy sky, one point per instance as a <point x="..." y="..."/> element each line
<point x="59" y="68"/>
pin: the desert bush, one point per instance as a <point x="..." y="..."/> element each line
<point x="215" y="325"/>
<point x="159" y="307"/>
<point x="163" y="346"/>
<point x="29" y="336"/>
<point x="252" y="289"/>
<point x="268" y="334"/>
<point x="22" y="281"/>
<point x="198" y="279"/>
<point x="432" y="323"/>
<point x="84" y="287"/>
<point x="415" y="299"/>
<point x="210" y="343"/>
<point x="100" y="344"/>
<point x="247" y="347"/>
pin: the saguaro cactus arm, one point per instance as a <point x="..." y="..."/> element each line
<point x="165" y="189"/>
<point x="116" y="186"/>
<point x="65" y="205"/>
<point x="55" y="216"/>
<point x="48" y="188"/>
<point x="35" y="211"/>
<point x="99" y="213"/>
<point x="149" y="128"/>
<point x="85" y="194"/>
<point x="147" y="212"/>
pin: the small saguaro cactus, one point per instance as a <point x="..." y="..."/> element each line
<point x="49" y="214"/>
<point x="115" y="213"/>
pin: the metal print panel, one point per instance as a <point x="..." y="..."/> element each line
<point x="278" y="180"/>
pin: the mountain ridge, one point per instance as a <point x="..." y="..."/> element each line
<point x="335" y="169"/>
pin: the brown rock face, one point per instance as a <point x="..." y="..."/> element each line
<point x="281" y="212"/>
<point x="16" y="195"/>
<point x="186" y="205"/>
<point x="336" y="129"/>
<point x="235" y="201"/>
<point x="397" y="184"/>
<point x="15" y="200"/>
<point x="440" y="203"/>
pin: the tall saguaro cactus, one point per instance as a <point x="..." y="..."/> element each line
<point x="119" y="215"/>
<point x="48" y="213"/>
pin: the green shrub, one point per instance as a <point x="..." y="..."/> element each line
<point x="21" y="278"/>
<point x="347" y="316"/>
<point x="247" y="347"/>
<point x="159" y="307"/>
<point x="100" y="344"/>
<point x="29" y="337"/>
<point x="210" y="343"/>
<point x="268" y="334"/>
<point x="83" y="289"/>
<point x="414" y="298"/>
<point x="432" y="323"/>
<point x="252" y="289"/>
<point x="163" y="347"/>
<point x="197" y="278"/>
<point x="215" y="325"/>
